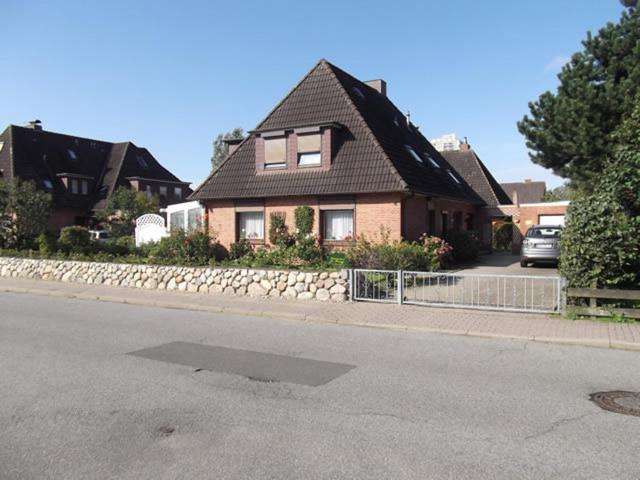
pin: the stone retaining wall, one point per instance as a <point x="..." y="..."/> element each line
<point x="324" y="286"/>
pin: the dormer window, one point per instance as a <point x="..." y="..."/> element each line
<point x="309" y="150"/>
<point x="84" y="187"/>
<point x="75" y="189"/>
<point x="275" y="152"/>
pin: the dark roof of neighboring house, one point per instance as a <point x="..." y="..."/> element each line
<point x="528" y="191"/>
<point x="40" y="155"/>
<point x="476" y="174"/>
<point x="369" y="153"/>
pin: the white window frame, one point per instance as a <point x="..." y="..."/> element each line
<point x="239" y="218"/>
<point x="325" y="224"/>
<point x="177" y="192"/>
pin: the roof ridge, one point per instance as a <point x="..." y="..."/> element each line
<point x="367" y="128"/>
<point x="295" y="87"/>
<point x="484" y="177"/>
<point x="50" y="132"/>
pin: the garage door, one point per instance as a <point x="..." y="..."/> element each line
<point x="551" y="219"/>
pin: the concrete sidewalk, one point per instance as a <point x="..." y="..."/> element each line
<point x="532" y="327"/>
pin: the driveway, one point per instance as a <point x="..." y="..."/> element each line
<point x="506" y="264"/>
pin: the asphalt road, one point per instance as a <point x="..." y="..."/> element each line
<point x="75" y="404"/>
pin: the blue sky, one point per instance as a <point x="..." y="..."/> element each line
<point x="170" y="75"/>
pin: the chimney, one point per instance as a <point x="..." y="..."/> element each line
<point x="35" y="125"/>
<point x="464" y="145"/>
<point x="379" y="85"/>
<point x="232" y="143"/>
<point x="527" y="180"/>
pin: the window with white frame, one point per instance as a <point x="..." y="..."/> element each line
<point x="177" y="192"/>
<point x="194" y="219"/>
<point x="309" y="150"/>
<point x="251" y="225"/>
<point x="275" y="152"/>
<point x="176" y="220"/>
<point x="338" y="224"/>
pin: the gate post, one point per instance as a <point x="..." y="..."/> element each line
<point x="350" y="283"/>
<point x="400" y="287"/>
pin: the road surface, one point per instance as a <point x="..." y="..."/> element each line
<point x="99" y="390"/>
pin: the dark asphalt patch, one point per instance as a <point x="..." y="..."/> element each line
<point x="253" y="365"/>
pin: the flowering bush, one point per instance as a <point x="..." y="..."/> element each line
<point x="465" y="245"/>
<point x="195" y="248"/>
<point x="430" y="254"/>
<point x="279" y="232"/>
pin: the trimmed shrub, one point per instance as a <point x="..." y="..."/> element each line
<point x="304" y="220"/>
<point x="241" y="248"/>
<point x="47" y="243"/>
<point x="465" y="245"/>
<point x="600" y="245"/>
<point x="74" y="240"/>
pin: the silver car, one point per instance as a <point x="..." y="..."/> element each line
<point x="541" y="244"/>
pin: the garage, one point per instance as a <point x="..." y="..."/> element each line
<point x="551" y="219"/>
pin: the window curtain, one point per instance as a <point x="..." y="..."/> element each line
<point x="251" y="225"/>
<point x="338" y="224"/>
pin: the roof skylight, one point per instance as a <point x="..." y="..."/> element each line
<point x="413" y="153"/>
<point x="48" y="184"/>
<point x="359" y="93"/>
<point x="430" y="158"/>
<point x="453" y="176"/>
<point x="141" y="161"/>
<point x="72" y="154"/>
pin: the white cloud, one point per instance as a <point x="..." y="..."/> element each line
<point x="556" y="63"/>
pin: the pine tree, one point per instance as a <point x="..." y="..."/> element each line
<point x="570" y="131"/>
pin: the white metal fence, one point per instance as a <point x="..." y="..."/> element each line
<point x="519" y="293"/>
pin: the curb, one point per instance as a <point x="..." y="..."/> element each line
<point x="586" y="342"/>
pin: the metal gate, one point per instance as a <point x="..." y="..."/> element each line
<point x="519" y="293"/>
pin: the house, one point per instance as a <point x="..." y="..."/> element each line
<point x="497" y="203"/>
<point x="82" y="173"/>
<point x="525" y="192"/>
<point x="340" y="146"/>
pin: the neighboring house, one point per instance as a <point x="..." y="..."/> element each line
<point x="342" y="147"/>
<point x="467" y="163"/>
<point x="525" y="192"/>
<point x="82" y="173"/>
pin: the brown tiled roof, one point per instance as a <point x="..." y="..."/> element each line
<point x="478" y="176"/>
<point x="41" y="155"/>
<point x="369" y="153"/>
<point x="528" y="192"/>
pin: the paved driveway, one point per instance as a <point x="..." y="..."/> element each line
<point x="506" y="264"/>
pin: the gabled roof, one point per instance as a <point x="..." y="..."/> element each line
<point x="528" y="191"/>
<point x="40" y="156"/>
<point x="476" y="174"/>
<point x="369" y="153"/>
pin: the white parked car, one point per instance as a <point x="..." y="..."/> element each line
<point x="99" y="235"/>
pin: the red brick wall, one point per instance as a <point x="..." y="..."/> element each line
<point x="414" y="217"/>
<point x="372" y="211"/>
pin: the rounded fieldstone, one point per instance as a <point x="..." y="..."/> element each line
<point x="323" y="294"/>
